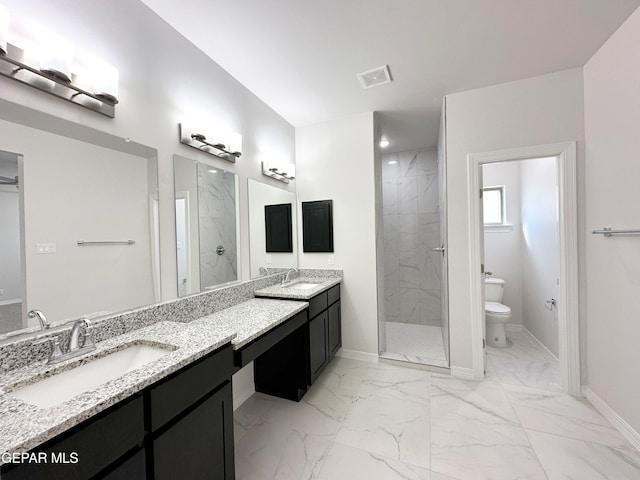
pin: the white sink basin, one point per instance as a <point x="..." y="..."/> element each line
<point x="302" y="285"/>
<point x="65" y="385"/>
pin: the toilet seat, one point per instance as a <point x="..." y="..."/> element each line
<point x="497" y="309"/>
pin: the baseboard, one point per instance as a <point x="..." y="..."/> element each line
<point x="357" y="355"/>
<point x="513" y="327"/>
<point x="616" y="420"/>
<point x="243" y="385"/>
<point x="535" y="340"/>
<point x="461" y="372"/>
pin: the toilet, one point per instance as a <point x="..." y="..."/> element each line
<point x="495" y="313"/>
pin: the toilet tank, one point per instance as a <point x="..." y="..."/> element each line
<point x="493" y="289"/>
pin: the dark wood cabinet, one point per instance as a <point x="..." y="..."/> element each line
<point x="318" y="341"/>
<point x="325" y="330"/>
<point x="180" y="427"/>
<point x="199" y="445"/>
<point x="278" y="228"/>
<point x="335" y="328"/>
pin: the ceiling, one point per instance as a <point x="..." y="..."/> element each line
<point x="301" y="57"/>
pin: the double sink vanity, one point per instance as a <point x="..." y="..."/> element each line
<point x="154" y="399"/>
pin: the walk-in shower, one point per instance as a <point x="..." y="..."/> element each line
<point x="413" y="259"/>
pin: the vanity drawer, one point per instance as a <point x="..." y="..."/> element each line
<point x="261" y="344"/>
<point x="97" y="444"/>
<point x="318" y="304"/>
<point x="333" y="294"/>
<point x="185" y="387"/>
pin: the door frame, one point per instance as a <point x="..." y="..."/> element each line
<point x="568" y="320"/>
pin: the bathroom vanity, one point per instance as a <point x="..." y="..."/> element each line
<point x="171" y="417"/>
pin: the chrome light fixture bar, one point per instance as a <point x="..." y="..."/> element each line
<point x="13" y="65"/>
<point x="283" y="173"/>
<point x="198" y="140"/>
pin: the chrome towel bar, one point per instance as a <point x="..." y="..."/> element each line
<point x="82" y="243"/>
<point x="607" y="231"/>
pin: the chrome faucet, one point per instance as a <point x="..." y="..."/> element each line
<point x="286" y="276"/>
<point x="74" y="350"/>
<point x="44" y="325"/>
<point x="74" y="338"/>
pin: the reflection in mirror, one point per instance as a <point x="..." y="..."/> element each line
<point x="69" y="192"/>
<point x="273" y="209"/>
<point x="206" y="225"/>
<point x="11" y="311"/>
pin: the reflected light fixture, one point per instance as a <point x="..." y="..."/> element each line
<point x="384" y="143"/>
<point x="4" y="29"/>
<point x="392" y="162"/>
<point x="283" y="172"/>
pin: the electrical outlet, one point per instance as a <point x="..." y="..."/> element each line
<point x="45" y="248"/>
<point x="1" y="292"/>
<point x="268" y="259"/>
<point x="332" y="260"/>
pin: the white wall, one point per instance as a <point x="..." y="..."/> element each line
<point x="335" y="160"/>
<point x="612" y="116"/>
<point x="502" y="247"/>
<point x="540" y="254"/>
<point x="163" y="81"/>
<point x="534" y="111"/>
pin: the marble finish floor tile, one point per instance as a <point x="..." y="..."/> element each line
<point x="249" y="413"/>
<point x="523" y="363"/>
<point x="320" y="412"/>
<point x="475" y="433"/>
<point x="562" y="414"/>
<point x="395" y="382"/>
<point x="344" y="462"/>
<point x="378" y="421"/>
<point x="270" y="451"/>
<point x="397" y="429"/>
<point x="567" y="458"/>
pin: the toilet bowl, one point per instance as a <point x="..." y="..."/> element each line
<point x="495" y="313"/>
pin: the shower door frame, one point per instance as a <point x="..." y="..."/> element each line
<point x="568" y="321"/>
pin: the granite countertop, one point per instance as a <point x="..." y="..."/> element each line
<point x="24" y="426"/>
<point x="290" y="291"/>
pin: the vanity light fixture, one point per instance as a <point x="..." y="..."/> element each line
<point x="4" y="29"/>
<point x="228" y="146"/>
<point x="283" y="172"/>
<point x="56" y="72"/>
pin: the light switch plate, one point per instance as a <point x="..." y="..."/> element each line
<point x="45" y="248"/>
<point x="268" y="259"/>
<point x="332" y="260"/>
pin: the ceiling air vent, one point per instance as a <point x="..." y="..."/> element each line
<point x="375" y="77"/>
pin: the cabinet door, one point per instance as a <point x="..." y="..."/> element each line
<point x="200" y="445"/>
<point x="88" y="448"/>
<point x="318" y="341"/>
<point x="335" y="329"/>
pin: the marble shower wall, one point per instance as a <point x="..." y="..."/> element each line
<point x="217" y="226"/>
<point x="411" y="221"/>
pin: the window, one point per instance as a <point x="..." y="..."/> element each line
<point x="493" y="205"/>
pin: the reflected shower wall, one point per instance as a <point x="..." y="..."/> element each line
<point x="217" y="225"/>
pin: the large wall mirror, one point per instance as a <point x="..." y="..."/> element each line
<point x="79" y="220"/>
<point x="272" y="229"/>
<point x="206" y="225"/>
